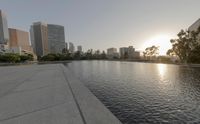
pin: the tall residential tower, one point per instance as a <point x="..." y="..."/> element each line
<point x="47" y="38"/>
<point x="4" y="35"/>
<point x="56" y="38"/>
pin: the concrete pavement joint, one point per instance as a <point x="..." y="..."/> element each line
<point x="36" y="110"/>
<point x="11" y="90"/>
<point x="78" y="106"/>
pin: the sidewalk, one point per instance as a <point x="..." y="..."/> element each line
<point x="48" y="94"/>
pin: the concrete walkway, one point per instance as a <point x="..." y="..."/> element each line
<point x="48" y="94"/>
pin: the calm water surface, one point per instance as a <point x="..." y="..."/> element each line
<point x="144" y="92"/>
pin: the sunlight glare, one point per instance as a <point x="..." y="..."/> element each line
<point x="163" y="41"/>
<point x="161" y="69"/>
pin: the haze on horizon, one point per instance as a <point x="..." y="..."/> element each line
<point x="100" y="24"/>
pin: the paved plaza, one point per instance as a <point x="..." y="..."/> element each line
<point x="48" y="94"/>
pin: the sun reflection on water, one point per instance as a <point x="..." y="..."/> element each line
<point x="161" y="70"/>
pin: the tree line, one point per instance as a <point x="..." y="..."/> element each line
<point x="66" y="55"/>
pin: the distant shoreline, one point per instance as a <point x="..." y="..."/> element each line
<point x="68" y="61"/>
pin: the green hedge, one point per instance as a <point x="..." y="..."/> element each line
<point x="14" y="58"/>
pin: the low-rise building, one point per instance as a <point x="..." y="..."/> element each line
<point x="79" y="48"/>
<point x="123" y="51"/>
<point x="71" y="47"/>
<point x="112" y="53"/>
<point x="129" y="53"/>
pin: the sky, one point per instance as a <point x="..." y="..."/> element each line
<point x="101" y="24"/>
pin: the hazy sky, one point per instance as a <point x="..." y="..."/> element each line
<point x="101" y="24"/>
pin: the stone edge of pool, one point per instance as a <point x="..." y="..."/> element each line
<point x="94" y="112"/>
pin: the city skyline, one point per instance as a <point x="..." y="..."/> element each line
<point x="103" y="24"/>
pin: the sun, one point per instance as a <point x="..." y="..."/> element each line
<point x="163" y="41"/>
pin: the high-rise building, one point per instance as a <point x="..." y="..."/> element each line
<point x="4" y="35"/>
<point x="39" y="38"/>
<point x="79" y="48"/>
<point x="56" y="38"/>
<point x="32" y="39"/>
<point x="19" y="40"/>
<point x="47" y="38"/>
<point x="71" y="47"/>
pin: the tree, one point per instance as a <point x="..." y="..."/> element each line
<point x="195" y="55"/>
<point x="10" y="57"/>
<point x="89" y="54"/>
<point x="64" y="50"/>
<point x="151" y="51"/>
<point x="77" y="55"/>
<point x="96" y="55"/>
<point x="185" y="45"/>
<point x="103" y="55"/>
<point x="181" y="46"/>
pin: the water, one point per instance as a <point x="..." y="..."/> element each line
<point x="143" y="92"/>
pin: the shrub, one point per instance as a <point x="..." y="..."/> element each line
<point x="24" y="58"/>
<point x="10" y="57"/>
<point x="49" y="57"/>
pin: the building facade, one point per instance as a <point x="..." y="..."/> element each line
<point x="39" y="38"/>
<point x="56" y="38"/>
<point x="194" y="27"/>
<point x="79" y="48"/>
<point x="19" y="40"/>
<point x="123" y="51"/>
<point x="71" y="47"/>
<point x="129" y="53"/>
<point x="4" y="35"/>
<point x="112" y="53"/>
<point x="32" y="39"/>
<point x="66" y="46"/>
